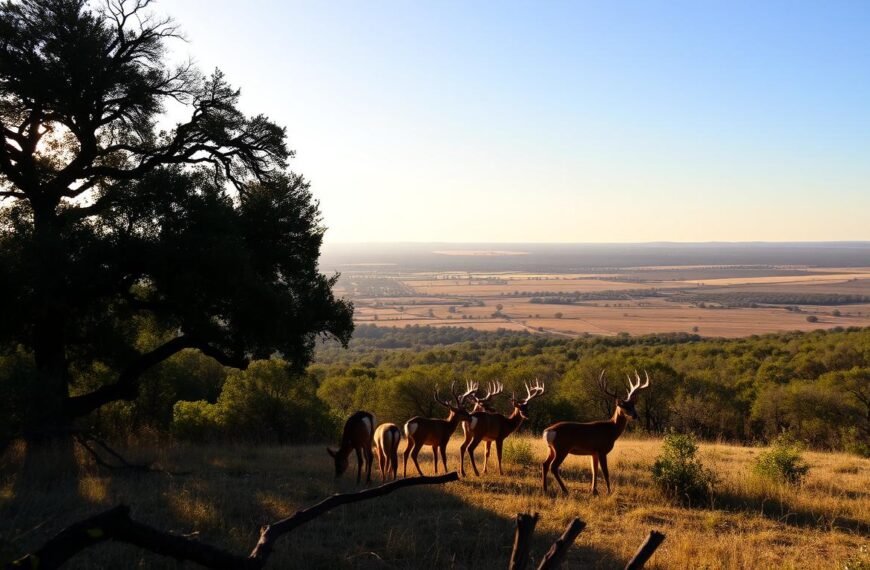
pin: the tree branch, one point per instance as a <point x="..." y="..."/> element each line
<point x="646" y="550"/>
<point x="116" y="524"/>
<point x="523" y="540"/>
<point x="556" y="555"/>
<point x="127" y="386"/>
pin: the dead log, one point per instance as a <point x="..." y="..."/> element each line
<point x="116" y="524"/>
<point x="646" y="550"/>
<point x="270" y="533"/>
<point x="523" y="540"/>
<point x="556" y="555"/>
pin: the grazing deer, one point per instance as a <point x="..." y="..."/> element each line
<point x="387" y="438"/>
<point x="492" y="426"/>
<point x="592" y="438"/>
<point x="357" y="436"/>
<point x="435" y="432"/>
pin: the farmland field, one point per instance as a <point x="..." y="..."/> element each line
<point x="712" y="301"/>
<point x="468" y="524"/>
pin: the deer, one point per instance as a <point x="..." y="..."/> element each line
<point x="595" y="439"/>
<point x="435" y="432"/>
<point x="387" y="438"/>
<point x="492" y="426"/>
<point x="357" y="436"/>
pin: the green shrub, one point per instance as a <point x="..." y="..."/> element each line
<point x="194" y="421"/>
<point x="518" y="451"/>
<point x="782" y="462"/>
<point x="855" y="443"/>
<point x="678" y="471"/>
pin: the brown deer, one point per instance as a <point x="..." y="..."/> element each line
<point x="387" y="438"/>
<point x="435" y="432"/>
<point x="492" y="426"/>
<point x="357" y="436"/>
<point x="592" y="438"/>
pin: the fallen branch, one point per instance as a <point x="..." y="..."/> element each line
<point x="646" y="550"/>
<point x="523" y="540"/>
<point x="270" y="533"/>
<point x="556" y="555"/>
<point x="116" y="524"/>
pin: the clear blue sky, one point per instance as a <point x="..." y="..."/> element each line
<point x="560" y="121"/>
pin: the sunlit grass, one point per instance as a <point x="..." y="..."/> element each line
<point x="233" y="490"/>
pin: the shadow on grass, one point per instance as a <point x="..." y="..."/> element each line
<point x="234" y="490"/>
<point x="781" y="511"/>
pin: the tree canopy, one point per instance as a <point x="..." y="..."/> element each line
<point x="110" y="220"/>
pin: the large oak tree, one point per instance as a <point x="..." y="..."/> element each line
<point x="108" y="220"/>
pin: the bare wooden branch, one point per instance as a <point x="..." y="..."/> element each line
<point x="523" y="540"/>
<point x="646" y="550"/>
<point x="556" y="555"/>
<point x="116" y="524"/>
<point x="270" y="533"/>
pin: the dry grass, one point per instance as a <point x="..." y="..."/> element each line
<point x="468" y="524"/>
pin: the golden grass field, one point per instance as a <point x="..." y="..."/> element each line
<point x="232" y="491"/>
<point x="636" y="316"/>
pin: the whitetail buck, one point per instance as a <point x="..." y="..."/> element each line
<point x="387" y="438"/>
<point x="357" y="436"/>
<point x="492" y="426"/>
<point x="592" y="438"/>
<point x="435" y="432"/>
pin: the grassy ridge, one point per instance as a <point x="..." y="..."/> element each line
<point x="233" y="490"/>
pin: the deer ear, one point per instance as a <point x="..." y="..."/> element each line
<point x="330" y="452"/>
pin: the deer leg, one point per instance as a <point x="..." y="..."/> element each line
<point x="462" y="449"/>
<point x="498" y="443"/>
<point x="380" y="454"/>
<point x="406" y="454"/>
<point x="367" y="452"/>
<point x="545" y="467"/>
<point x="414" y="454"/>
<point x="394" y="457"/>
<point x="444" y="456"/>
<point x="557" y="462"/>
<point x="359" y="463"/>
<point x="594" y="473"/>
<point x="602" y="459"/>
<point x="471" y="449"/>
<point x="435" y="457"/>
<point x="487" y="448"/>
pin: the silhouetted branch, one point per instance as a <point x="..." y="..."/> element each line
<point x="557" y="552"/>
<point x="272" y="532"/>
<point x="116" y="524"/>
<point x="646" y="550"/>
<point x="523" y="540"/>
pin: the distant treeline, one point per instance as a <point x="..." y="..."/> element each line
<point x="749" y="299"/>
<point x="815" y="385"/>
<point x="578" y="296"/>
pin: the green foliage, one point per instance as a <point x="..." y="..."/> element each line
<point x="678" y="471"/>
<point x="266" y="402"/>
<point x="518" y="452"/>
<point x="782" y="463"/>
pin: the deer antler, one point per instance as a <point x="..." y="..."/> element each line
<point x="493" y="389"/>
<point x="534" y="391"/>
<point x="635" y="388"/>
<point x="602" y="385"/>
<point x="460" y="399"/>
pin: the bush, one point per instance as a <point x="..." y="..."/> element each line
<point x="812" y="319"/>
<point x="678" y="471"/>
<point x="855" y="443"/>
<point x="518" y="451"/>
<point x="782" y="463"/>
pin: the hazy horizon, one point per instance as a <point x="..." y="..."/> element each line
<point x="557" y="122"/>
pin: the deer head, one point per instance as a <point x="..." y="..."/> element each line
<point x="532" y="392"/>
<point x="626" y="406"/>
<point x="457" y="407"/>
